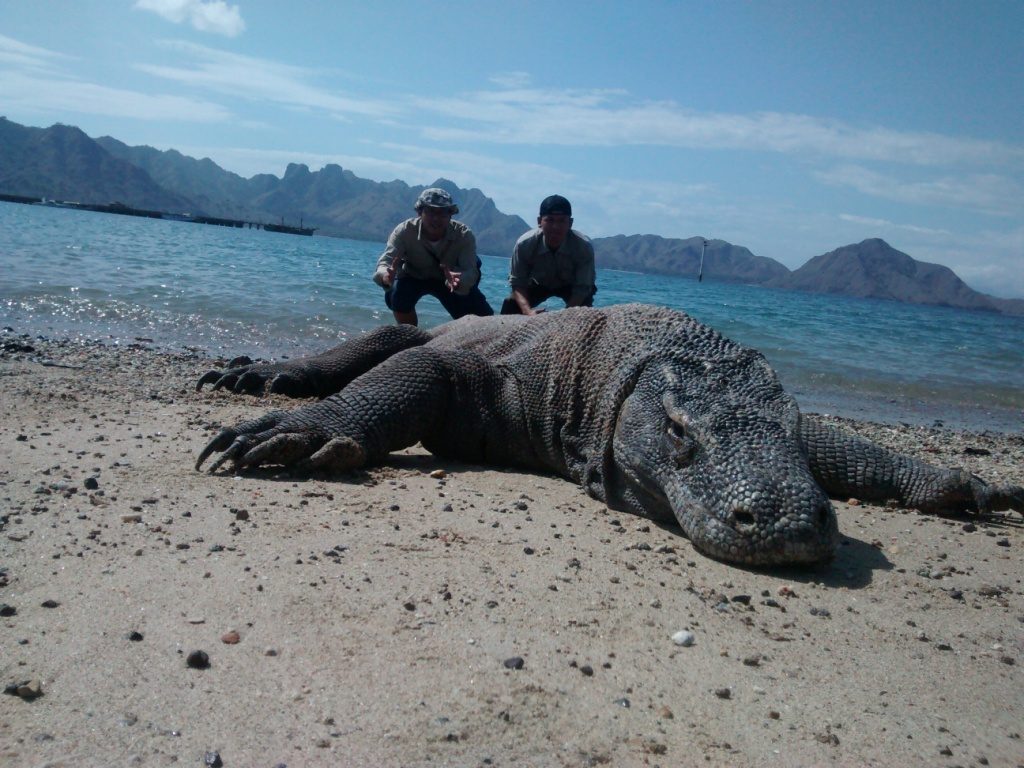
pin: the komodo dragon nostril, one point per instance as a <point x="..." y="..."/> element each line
<point x="741" y="518"/>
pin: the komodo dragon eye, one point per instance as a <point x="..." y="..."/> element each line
<point x="682" y="446"/>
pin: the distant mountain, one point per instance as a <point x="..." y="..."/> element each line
<point x="667" y="256"/>
<point x="874" y="269"/>
<point x="62" y="163"/>
<point x="210" y="187"/>
<point x="334" y="200"/>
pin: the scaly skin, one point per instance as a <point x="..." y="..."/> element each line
<point x="644" y="407"/>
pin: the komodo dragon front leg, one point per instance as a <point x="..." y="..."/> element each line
<point x="453" y="401"/>
<point x="319" y="375"/>
<point x="845" y="465"/>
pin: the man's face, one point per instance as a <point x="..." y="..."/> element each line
<point x="555" y="227"/>
<point x="435" y="221"/>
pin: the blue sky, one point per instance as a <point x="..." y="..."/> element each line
<point x="791" y="128"/>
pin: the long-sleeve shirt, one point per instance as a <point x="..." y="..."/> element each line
<point x="572" y="265"/>
<point x="412" y="255"/>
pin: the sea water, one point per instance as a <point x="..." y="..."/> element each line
<point x="228" y="291"/>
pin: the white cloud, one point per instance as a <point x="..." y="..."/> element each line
<point x="61" y="96"/>
<point x="601" y="117"/>
<point x="515" y="79"/>
<point x="205" y="15"/>
<point x="15" y="53"/>
<point x="262" y="80"/>
<point x="889" y="226"/>
<point x="983" y="192"/>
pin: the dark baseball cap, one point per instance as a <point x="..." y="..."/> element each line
<point x="555" y="204"/>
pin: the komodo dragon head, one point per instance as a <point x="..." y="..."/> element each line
<point x="713" y="442"/>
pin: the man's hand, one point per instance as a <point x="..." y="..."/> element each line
<point x="451" y="279"/>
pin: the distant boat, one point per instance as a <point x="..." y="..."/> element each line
<point x="56" y="203"/>
<point x="282" y="227"/>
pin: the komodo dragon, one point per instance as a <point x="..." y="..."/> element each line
<point x="646" y="408"/>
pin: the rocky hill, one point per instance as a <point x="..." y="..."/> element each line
<point x="670" y="256"/>
<point x="333" y="199"/>
<point x="874" y="269"/>
<point x="62" y="163"/>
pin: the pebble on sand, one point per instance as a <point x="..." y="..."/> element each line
<point x="198" y="660"/>
<point x="684" y="638"/>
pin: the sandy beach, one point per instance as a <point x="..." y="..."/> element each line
<point x="434" y="613"/>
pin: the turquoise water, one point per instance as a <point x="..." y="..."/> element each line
<point x="68" y="273"/>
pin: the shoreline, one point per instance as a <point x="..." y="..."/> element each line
<point x="373" y="618"/>
<point x="894" y="408"/>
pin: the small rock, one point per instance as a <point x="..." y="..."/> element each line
<point x="666" y="714"/>
<point x="587" y="670"/>
<point x="212" y="760"/>
<point x="29" y="690"/>
<point x="91" y="484"/>
<point x="437" y="474"/>
<point x="723" y="693"/>
<point x="49" y="604"/>
<point x="623" y="702"/>
<point x="7" y="610"/>
<point x="230" y="638"/>
<point x="684" y="638"/>
<point x="131" y="518"/>
<point x="853" y="502"/>
<point x="515" y="662"/>
<point x="134" y="636"/>
<point x="198" y="660"/>
<point x="754" y="660"/>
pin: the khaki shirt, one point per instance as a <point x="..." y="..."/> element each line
<point x="572" y="265"/>
<point x="414" y="256"/>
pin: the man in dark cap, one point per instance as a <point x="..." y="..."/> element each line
<point x="552" y="260"/>
<point x="431" y="254"/>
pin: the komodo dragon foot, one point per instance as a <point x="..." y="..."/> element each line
<point x="284" y="438"/>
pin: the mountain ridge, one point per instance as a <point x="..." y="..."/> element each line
<point x="62" y="162"/>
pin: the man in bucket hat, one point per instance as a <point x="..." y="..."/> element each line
<point x="552" y="260"/>
<point x="431" y="254"/>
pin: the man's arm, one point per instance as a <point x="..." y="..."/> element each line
<point x="585" y="277"/>
<point x="389" y="261"/>
<point x="520" y="297"/>
<point x="468" y="273"/>
<point x="519" y="278"/>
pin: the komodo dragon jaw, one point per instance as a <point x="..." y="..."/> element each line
<point x="735" y="478"/>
